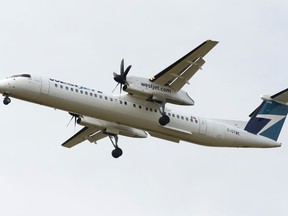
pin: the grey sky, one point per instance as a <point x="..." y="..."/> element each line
<point x="83" y="42"/>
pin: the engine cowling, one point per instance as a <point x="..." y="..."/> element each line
<point x="135" y="90"/>
<point x="111" y="127"/>
<point x="145" y="88"/>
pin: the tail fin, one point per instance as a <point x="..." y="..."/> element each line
<point x="268" y="119"/>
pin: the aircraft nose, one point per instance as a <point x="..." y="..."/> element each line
<point x="4" y="86"/>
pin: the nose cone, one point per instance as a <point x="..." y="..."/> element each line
<point x="4" y="86"/>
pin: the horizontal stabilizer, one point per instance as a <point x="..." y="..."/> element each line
<point x="281" y="97"/>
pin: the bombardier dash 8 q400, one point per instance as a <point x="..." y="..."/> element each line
<point x="141" y="109"/>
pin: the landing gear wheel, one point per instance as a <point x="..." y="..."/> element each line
<point x="6" y="100"/>
<point x="117" y="152"/>
<point x="164" y="120"/>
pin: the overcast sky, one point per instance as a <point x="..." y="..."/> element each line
<point x="83" y="42"/>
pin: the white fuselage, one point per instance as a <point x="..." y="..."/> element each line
<point x="130" y="111"/>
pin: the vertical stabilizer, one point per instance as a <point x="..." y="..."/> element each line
<point x="268" y="119"/>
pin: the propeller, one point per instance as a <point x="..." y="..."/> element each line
<point x="121" y="78"/>
<point x="75" y="117"/>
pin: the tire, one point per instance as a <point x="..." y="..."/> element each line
<point x="164" y="120"/>
<point x="6" y="100"/>
<point x="116" y="153"/>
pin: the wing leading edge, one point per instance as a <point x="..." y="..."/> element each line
<point x="180" y="72"/>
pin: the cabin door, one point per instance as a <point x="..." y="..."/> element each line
<point x="45" y="85"/>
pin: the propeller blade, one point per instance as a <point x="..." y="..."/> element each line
<point x="115" y="74"/>
<point x="122" y="67"/>
<point x="75" y="122"/>
<point x="127" y="71"/>
<point x="115" y="87"/>
<point x="70" y="121"/>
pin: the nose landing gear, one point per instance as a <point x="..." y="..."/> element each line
<point x="6" y="100"/>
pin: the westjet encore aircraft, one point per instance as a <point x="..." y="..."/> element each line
<point x="141" y="109"/>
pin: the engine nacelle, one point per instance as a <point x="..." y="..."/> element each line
<point x="111" y="127"/>
<point x="144" y="87"/>
<point x="137" y="91"/>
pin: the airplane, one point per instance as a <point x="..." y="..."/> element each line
<point x="141" y="109"/>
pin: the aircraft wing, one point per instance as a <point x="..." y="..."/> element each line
<point x="92" y="134"/>
<point x="180" y="72"/>
<point x="96" y="129"/>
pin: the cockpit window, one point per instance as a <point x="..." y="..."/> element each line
<point x="22" y="75"/>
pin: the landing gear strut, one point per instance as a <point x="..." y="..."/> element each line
<point x="164" y="119"/>
<point x="117" y="152"/>
<point x="6" y="100"/>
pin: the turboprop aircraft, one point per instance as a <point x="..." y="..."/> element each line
<point x="140" y="109"/>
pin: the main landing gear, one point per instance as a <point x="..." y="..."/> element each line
<point x="117" y="152"/>
<point x="6" y="100"/>
<point x="164" y="119"/>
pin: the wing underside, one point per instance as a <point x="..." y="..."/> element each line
<point x="93" y="134"/>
